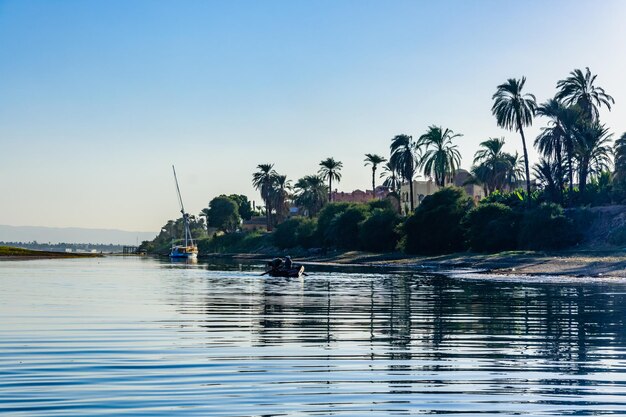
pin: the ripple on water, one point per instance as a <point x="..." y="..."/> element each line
<point x="140" y="337"/>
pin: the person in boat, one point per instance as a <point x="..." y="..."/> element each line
<point x="288" y="262"/>
<point x="275" y="264"/>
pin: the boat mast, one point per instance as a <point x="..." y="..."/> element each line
<point x="188" y="237"/>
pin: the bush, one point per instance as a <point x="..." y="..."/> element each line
<point x="618" y="236"/>
<point x="297" y="231"/>
<point x="238" y="242"/>
<point x="546" y="228"/>
<point x="491" y="227"/>
<point x="378" y="232"/>
<point x="326" y="216"/>
<point x="435" y="226"/>
<point x="343" y="231"/>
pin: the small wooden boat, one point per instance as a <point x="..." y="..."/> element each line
<point x="294" y="272"/>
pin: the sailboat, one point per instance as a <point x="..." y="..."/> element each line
<point x="189" y="250"/>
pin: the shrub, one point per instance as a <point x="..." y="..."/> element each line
<point x="343" y="231"/>
<point x="378" y="232"/>
<point x="491" y="227"/>
<point x="435" y="226"/>
<point x="546" y="227"/>
<point x="297" y="231"/>
<point x="618" y="236"/>
<point x="326" y="216"/>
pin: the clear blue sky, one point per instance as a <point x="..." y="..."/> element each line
<point x="99" y="98"/>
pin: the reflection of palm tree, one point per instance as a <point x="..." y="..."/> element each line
<point x="373" y="160"/>
<point x="263" y="181"/>
<point x="329" y="170"/>
<point x="579" y="89"/>
<point x="311" y="193"/>
<point x="514" y="110"/>
<point x="404" y="158"/>
<point x="444" y="158"/>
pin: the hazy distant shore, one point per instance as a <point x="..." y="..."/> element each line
<point x="8" y="253"/>
<point x="605" y="264"/>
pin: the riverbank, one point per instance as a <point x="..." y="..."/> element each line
<point x="582" y="263"/>
<point x="9" y="253"/>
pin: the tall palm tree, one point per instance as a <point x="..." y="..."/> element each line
<point x="547" y="173"/>
<point x="311" y="194"/>
<point x="556" y="140"/>
<point x="405" y="158"/>
<point x="373" y="160"/>
<point x="592" y="151"/>
<point x="329" y="170"/>
<point x="441" y="158"/>
<point x="619" y="150"/>
<point x="280" y="196"/>
<point x="263" y="180"/>
<point x="516" y="169"/>
<point x="390" y="174"/>
<point x="492" y="164"/>
<point x="579" y="89"/>
<point x="513" y="110"/>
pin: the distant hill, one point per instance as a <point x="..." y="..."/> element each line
<point x="72" y="235"/>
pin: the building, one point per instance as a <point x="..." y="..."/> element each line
<point x="421" y="189"/>
<point x="358" y="196"/>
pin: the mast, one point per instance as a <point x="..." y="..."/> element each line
<point x="188" y="237"/>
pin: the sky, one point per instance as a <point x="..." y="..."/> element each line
<point x="99" y="98"/>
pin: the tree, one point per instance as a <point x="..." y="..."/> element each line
<point x="223" y="214"/>
<point x="441" y="158"/>
<point x="514" y="110"/>
<point x="492" y="164"/>
<point x="579" y="89"/>
<point x="373" y="160"/>
<point x="311" y="194"/>
<point x="280" y="196"/>
<point x="263" y="181"/>
<point x="592" y="151"/>
<point x="390" y="174"/>
<point x="329" y="170"/>
<point x="245" y="208"/>
<point x="405" y="159"/>
<point x="619" y="150"/>
<point x="205" y="213"/>
<point x="549" y="176"/>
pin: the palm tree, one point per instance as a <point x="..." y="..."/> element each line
<point x="373" y="160"/>
<point x="579" y="89"/>
<point x="405" y="158"/>
<point x="444" y="158"/>
<point x="592" y="151"/>
<point x="205" y="213"/>
<point x="516" y="169"/>
<point x="280" y="196"/>
<point x="263" y="181"/>
<point x="547" y="173"/>
<point x="390" y="174"/>
<point x="311" y="194"/>
<point x="514" y="110"/>
<point x="329" y="170"/>
<point x="619" y="150"/>
<point x="492" y="164"/>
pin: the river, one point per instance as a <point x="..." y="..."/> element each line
<point x="139" y="336"/>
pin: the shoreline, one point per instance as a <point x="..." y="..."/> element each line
<point x="573" y="264"/>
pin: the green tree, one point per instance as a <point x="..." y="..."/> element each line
<point x="619" y="150"/>
<point x="373" y="160"/>
<point x="592" y="151"/>
<point x="579" y="89"/>
<point x="223" y="214"/>
<point x="441" y="158"/>
<point x="492" y="164"/>
<point x="405" y="158"/>
<point x="263" y="180"/>
<point x="549" y="175"/>
<point x="280" y="196"/>
<point x="491" y="227"/>
<point x="330" y="170"/>
<point x="513" y="110"/>
<point x="311" y="194"/>
<point x="343" y="231"/>
<point x="390" y="175"/>
<point x="245" y="208"/>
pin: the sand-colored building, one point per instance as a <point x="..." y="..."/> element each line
<point x="423" y="188"/>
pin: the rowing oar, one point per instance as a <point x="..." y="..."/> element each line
<point x="266" y="272"/>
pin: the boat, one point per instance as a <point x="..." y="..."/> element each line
<point x="189" y="250"/>
<point x="295" y="271"/>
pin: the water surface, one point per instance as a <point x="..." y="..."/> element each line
<point x="137" y="336"/>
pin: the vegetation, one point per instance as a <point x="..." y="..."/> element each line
<point x="10" y="251"/>
<point x="573" y="172"/>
